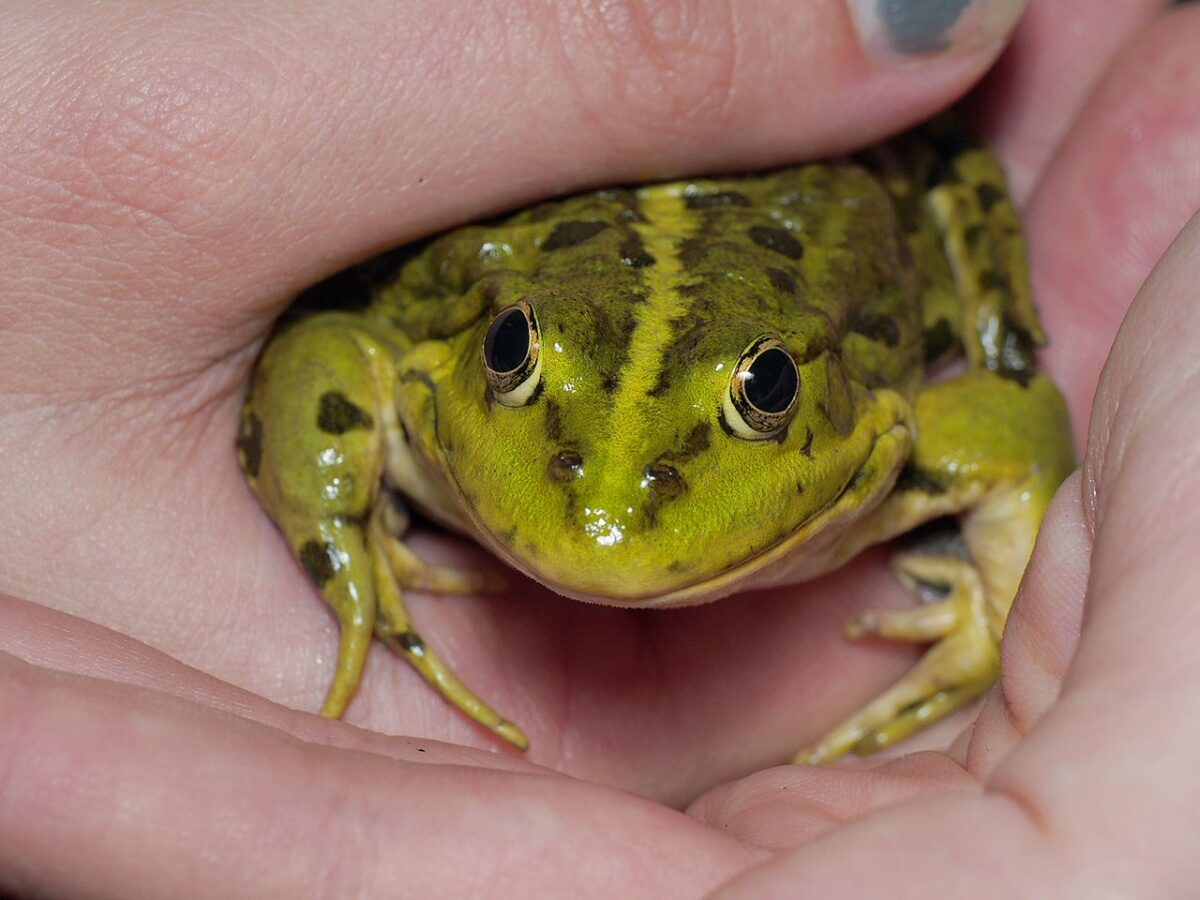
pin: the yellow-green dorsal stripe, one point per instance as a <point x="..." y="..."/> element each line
<point x="667" y="223"/>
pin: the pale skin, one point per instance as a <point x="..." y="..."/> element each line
<point x="153" y="227"/>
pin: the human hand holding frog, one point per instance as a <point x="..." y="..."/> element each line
<point x="125" y="506"/>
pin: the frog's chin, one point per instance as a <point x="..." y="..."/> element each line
<point x="822" y="542"/>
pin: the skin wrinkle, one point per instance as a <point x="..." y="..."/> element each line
<point x="646" y="57"/>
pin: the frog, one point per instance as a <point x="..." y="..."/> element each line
<point x="661" y="395"/>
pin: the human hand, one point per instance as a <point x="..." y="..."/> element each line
<point x="155" y="345"/>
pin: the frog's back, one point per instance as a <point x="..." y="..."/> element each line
<point x="816" y="253"/>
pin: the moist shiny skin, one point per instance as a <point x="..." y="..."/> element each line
<point x="665" y="394"/>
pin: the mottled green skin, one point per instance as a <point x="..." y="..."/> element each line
<point x="634" y="374"/>
<point x="646" y="300"/>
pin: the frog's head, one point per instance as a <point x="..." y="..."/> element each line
<point x="638" y="452"/>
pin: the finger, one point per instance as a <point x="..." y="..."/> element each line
<point x="1058" y="53"/>
<point x="1116" y="194"/>
<point x="1129" y="696"/>
<point x="155" y="150"/>
<point x="217" y="805"/>
<point x="56" y="642"/>
<point x="786" y="806"/>
<point x="1039" y="637"/>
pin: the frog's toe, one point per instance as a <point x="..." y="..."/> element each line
<point x="955" y="579"/>
<point x="956" y="669"/>
<point x="413" y="573"/>
<point x="919" y="625"/>
<point x="915" y="718"/>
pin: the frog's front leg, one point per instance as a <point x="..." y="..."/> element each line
<point x="314" y="445"/>
<point x="993" y="450"/>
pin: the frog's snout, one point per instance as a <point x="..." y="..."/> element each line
<point x="612" y="503"/>
<point x="659" y="480"/>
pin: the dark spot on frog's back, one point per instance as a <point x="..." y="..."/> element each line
<point x="249" y="444"/>
<point x="318" y="561"/>
<point x="627" y="200"/>
<point x="878" y="328"/>
<point x="633" y="253"/>
<point x="778" y="239"/>
<point x="694" y="444"/>
<point x="336" y="414"/>
<point x="687" y="332"/>
<point x="692" y="252"/>
<point x="553" y="421"/>
<point x="782" y="281"/>
<point x="568" y="234"/>
<point x="716" y="199"/>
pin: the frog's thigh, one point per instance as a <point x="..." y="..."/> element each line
<point x="313" y="411"/>
<point x="995" y="451"/>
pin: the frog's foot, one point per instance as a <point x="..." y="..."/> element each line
<point x="413" y="573"/>
<point x="961" y="665"/>
<point x="395" y="566"/>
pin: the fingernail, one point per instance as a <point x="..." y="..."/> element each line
<point x="890" y="29"/>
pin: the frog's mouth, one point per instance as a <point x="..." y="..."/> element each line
<point x="820" y="543"/>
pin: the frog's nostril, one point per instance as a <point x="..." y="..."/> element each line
<point x="565" y="465"/>
<point x="663" y="481"/>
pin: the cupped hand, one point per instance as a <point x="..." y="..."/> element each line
<point x="171" y="178"/>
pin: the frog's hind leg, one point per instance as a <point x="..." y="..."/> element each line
<point x="397" y="567"/>
<point x="314" y="444"/>
<point x="967" y="244"/>
<point x="968" y="201"/>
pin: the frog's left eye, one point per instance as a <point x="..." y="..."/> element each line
<point x="762" y="390"/>
<point x="511" y="355"/>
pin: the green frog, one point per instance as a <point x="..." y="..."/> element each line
<point x="662" y="395"/>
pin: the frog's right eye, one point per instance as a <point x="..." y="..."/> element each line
<point x="763" y="391"/>
<point x="511" y="355"/>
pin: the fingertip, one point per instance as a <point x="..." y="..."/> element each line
<point x="899" y="30"/>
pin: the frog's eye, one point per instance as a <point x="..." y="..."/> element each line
<point x="762" y="390"/>
<point x="511" y="356"/>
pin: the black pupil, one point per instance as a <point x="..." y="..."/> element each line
<point x="507" y="342"/>
<point x="771" y="386"/>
